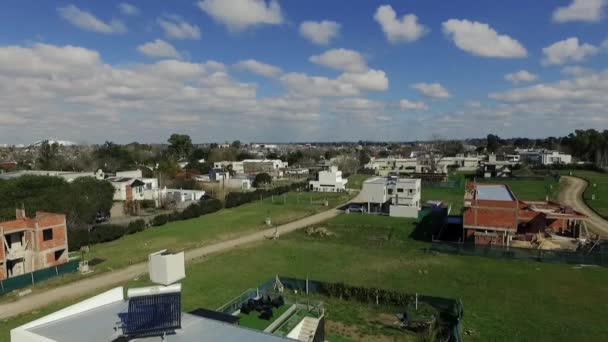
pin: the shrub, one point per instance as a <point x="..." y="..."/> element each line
<point x="135" y="226"/>
<point x="77" y="238"/>
<point x="159" y="220"/>
<point x="106" y="232"/>
<point x="147" y="204"/>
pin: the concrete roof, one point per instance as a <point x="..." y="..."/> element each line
<point x="97" y="325"/>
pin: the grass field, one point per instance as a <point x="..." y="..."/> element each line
<point x="598" y="185"/>
<point x="204" y="230"/>
<point x="356" y="181"/>
<point x="503" y="300"/>
<point x="252" y="320"/>
<point x="526" y="188"/>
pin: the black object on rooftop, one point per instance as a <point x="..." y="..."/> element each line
<point x="215" y="315"/>
<point x="153" y="315"/>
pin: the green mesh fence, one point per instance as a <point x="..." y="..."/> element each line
<point x="29" y="279"/>
<point x="451" y="310"/>
<point x="600" y="257"/>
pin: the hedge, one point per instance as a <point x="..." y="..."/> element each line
<point x="234" y="199"/>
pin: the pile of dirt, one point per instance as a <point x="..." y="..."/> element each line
<point x="319" y="232"/>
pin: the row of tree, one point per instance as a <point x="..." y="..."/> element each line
<point x="80" y="200"/>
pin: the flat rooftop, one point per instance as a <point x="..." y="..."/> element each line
<point x="493" y="192"/>
<point x="384" y="180"/>
<point x="97" y="325"/>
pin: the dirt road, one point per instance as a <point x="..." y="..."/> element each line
<point x="572" y="195"/>
<point x="105" y="280"/>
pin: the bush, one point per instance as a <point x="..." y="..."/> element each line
<point x="147" y="204"/>
<point x="105" y="233"/>
<point x="135" y="226"/>
<point x="234" y="199"/>
<point x="159" y="220"/>
<point x="77" y="238"/>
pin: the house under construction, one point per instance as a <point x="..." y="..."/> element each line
<point x="30" y="244"/>
<point x="494" y="216"/>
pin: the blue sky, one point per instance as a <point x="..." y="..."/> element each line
<point x="290" y="70"/>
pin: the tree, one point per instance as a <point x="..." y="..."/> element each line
<point x="236" y="144"/>
<point x="168" y="167"/>
<point x="493" y="143"/>
<point x="48" y="155"/>
<point x="180" y="145"/>
<point x="262" y="179"/>
<point x="364" y="157"/>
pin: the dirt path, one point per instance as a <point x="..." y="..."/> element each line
<point x="105" y="280"/>
<point x="572" y="195"/>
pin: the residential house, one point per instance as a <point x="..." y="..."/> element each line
<point x="30" y="244"/>
<point x="494" y="216"/>
<point x="543" y="157"/>
<point x="396" y="196"/>
<point x="329" y="181"/>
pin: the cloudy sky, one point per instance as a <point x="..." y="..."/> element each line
<point x="292" y="70"/>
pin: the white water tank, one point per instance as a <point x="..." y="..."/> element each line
<point x="166" y="268"/>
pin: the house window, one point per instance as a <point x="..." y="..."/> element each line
<point x="399" y="190"/>
<point x="47" y="234"/>
<point x="411" y="191"/>
<point x="58" y="254"/>
<point x="390" y="191"/>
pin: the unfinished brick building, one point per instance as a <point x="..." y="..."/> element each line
<point x="30" y="244"/>
<point x="494" y="216"/>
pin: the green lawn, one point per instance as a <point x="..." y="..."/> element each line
<point x="598" y="185"/>
<point x="204" y="230"/>
<point x="356" y="181"/>
<point x="525" y="189"/>
<point x="503" y="300"/>
<point x="252" y="321"/>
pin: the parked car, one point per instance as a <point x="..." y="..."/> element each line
<point x="355" y="208"/>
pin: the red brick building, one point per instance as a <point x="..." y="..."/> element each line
<point x="30" y="244"/>
<point x="494" y="216"/>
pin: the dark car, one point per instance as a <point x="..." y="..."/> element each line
<point x="355" y="208"/>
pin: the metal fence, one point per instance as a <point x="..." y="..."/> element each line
<point x="599" y="257"/>
<point x="29" y="279"/>
<point x="451" y="310"/>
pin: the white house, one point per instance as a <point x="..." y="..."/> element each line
<point x="136" y="189"/>
<point x="329" y="181"/>
<point x="183" y="195"/>
<point x="544" y="157"/>
<point x="241" y="183"/>
<point x="399" y="196"/>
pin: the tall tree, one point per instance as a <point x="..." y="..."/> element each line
<point x="180" y="145"/>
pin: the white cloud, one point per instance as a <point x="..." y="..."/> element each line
<point x="481" y="40"/>
<point x="580" y="10"/>
<point x="520" y="77"/>
<point x="89" y="22"/>
<point x="68" y="91"/>
<point x="128" y="9"/>
<point x="410" y="105"/>
<point x="341" y="59"/>
<point x="585" y="89"/>
<point x="374" y="80"/>
<point x="320" y="32"/>
<point x="407" y="29"/>
<point x="567" y="50"/>
<point x="576" y="71"/>
<point x="238" y="15"/>
<point x="433" y="90"/>
<point x="301" y="84"/>
<point x="158" y="48"/>
<point x="259" y="68"/>
<point x="177" y="28"/>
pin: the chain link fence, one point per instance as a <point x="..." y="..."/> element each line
<point x="29" y="279"/>
<point x="599" y="257"/>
